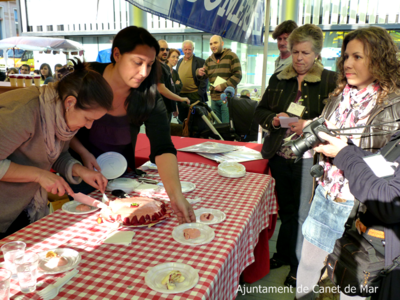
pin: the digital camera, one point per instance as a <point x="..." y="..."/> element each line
<point x="309" y="138"/>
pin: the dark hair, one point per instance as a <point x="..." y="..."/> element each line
<point x="89" y="88"/>
<point x="285" y="27"/>
<point x="383" y="62"/>
<point x="141" y="100"/>
<point x="25" y="65"/>
<point x="50" y="74"/>
<point x="57" y="66"/>
<point x="36" y="72"/>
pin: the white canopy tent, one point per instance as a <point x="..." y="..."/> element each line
<point x="40" y="44"/>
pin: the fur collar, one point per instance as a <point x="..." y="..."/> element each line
<point x="314" y="75"/>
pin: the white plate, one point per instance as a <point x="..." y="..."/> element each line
<point x="231" y="169"/>
<point x="219" y="216"/>
<point x="73" y="257"/>
<point x="147" y="188"/>
<point x="206" y="236"/>
<point x="155" y="275"/>
<point x="125" y="184"/>
<point x="186" y="186"/>
<point x="112" y="164"/>
<point x="70" y="208"/>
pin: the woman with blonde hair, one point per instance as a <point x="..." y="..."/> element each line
<point x="366" y="96"/>
<point x="304" y="83"/>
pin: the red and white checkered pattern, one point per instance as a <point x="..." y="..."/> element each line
<point x="117" y="272"/>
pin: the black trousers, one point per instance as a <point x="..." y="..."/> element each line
<point x="294" y="189"/>
<point x="20" y="222"/>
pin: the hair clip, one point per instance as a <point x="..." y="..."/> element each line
<point x="65" y="71"/>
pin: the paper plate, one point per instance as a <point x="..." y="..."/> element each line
<point x="125" y="184"/>
<point x="70" y="208"/>
<point x="147" y="188"/>
<point x="219" y="216"/>
<point x="156" y="274"/>
<point x="73" y="257"/>
<point x="231" y="169"/>
<point x="186" y="186"/>
<point x="206" y="236"/>
<point x="112" y="164"/>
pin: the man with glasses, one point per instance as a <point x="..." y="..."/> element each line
<point x="25" y="69"/>
<point x="166" y="86"/>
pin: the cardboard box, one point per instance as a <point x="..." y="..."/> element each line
<point x="56" y="202"/>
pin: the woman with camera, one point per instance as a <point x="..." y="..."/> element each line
<point x="367" y="95"/>
<point x="381" y="196"/>
<point x="303" y="84"/>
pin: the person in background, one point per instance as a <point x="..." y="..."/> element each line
<point x="172" y="60"/>
<point x="37" y="72"/>
<point x="166" y="86"/>
<point x="192" y="87"/>
<point x="367" y="93"/>
<point x="245" y="94"/>
<point x="45" y="72"/>
<point x="133" y="76"/>
<point x="54" y="78"/>
<point x="281" y="34"/>
<point x="306" y="83"/>
<point x="10" y="71"/>
<point x="25" y="69"/>
<point x="225" y="64"/>
<point x="36" y="125"/>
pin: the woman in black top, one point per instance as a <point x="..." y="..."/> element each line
<point x="173" y="57"/>
<point x="133" y="75"/>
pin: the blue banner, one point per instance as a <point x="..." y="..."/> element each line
<point x="238" y="20"/>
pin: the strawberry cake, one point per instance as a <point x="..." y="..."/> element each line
<point x="136" y="211"/>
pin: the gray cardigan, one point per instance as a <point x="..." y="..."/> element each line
<point x="22" y="142"/>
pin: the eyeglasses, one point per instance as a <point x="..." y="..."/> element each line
<point x="164" y="49"/>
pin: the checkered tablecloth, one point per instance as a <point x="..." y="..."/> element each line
<point x="117" y="272"/>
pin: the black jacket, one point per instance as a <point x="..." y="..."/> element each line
<point x="197" y="63"/>
<point x="382" y="198"/>
<point x="282" y="91"/>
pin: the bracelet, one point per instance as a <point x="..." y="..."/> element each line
<point x="273" y="126"/>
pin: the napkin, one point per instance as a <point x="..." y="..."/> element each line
<point x="120" y="238"/>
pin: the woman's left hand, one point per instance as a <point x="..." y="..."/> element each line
<point x="177" y="82"/>
<point x="333" y="146"/>
<point x="298" y="126"/>
<point x="184" y="210"/>
<point x="93" y="178"/>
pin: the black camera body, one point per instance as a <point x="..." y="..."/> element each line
<point x="309" y="138"/>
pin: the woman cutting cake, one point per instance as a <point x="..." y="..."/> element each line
<point x="132" y="75"/>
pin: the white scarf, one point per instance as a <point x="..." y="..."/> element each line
<point x="55" y="130"/>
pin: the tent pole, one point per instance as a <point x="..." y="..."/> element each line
<point x="265" y="58"/>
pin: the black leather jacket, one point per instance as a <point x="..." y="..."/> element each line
<point x="388" y="111"/>
<point x="282" y="90"/>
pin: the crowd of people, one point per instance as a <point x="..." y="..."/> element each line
<point x="45" y="72"/>
<point x="83" y="111"/>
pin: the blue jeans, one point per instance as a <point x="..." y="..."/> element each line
<point x="294" y="189"/>
<point x="326" y="220"/>
<point x="221" y="110"/>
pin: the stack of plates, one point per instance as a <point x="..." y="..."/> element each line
<point x="125" y="184"/>
<point x="231" y="170"/>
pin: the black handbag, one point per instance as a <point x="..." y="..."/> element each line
<point x="354" y="265"/>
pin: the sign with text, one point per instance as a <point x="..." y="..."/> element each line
<point x="238" y="20"/>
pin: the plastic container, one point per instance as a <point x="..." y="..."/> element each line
<point x="36" y="78"/>
<point x="20" y="80"/>
<point x="13" y="80"/>
<point x="28" y="80"/>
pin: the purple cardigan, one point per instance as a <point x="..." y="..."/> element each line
<point x="382" y="198"/>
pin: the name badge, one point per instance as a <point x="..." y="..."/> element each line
<point x="296" y="109"/>
<point x="380" y="166"/>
